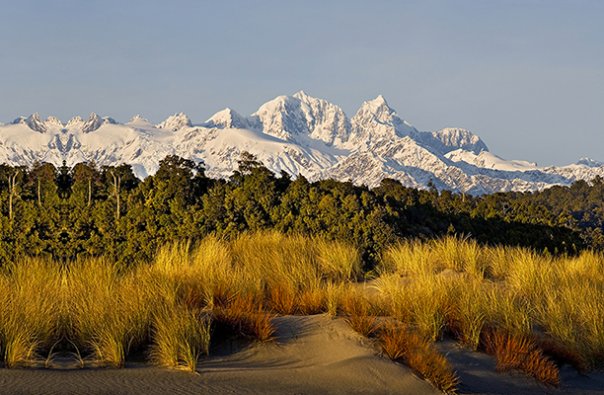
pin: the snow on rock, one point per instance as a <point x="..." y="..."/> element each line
<point x="281" y="117"/>
<point x="33" y="122"/>
<point x="376" y="120"/>
<point x="589" y="162"/>
<point x="175" y="122"/>
<point x="92" y="124"/>
<point x="297" y="134"/>
<point x="488" y="160"/>
<point x="449" y="139"/>
<point x="139" y="120"/>
<point x="325" y="121"/>
<point x="228" y="118"/>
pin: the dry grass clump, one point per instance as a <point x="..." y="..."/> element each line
<point x="312" y="301"/>
<point x="468" y="314"/>
<point x="337" y="261"/>
<point x="106" y="312"/>
<point x="455" y="286"/>
<point x="521" y="352"/>
<point x="359" y="313"/>
<point x="561" y="353"/>
<point x="421" y="302"/>
<point x="180" y="337"/>
<point x="406" y="259"/>
<point x="572" y="308"/>
<point x="292" y="271"/>
<point x="244" y="316"/>
<point x="459" y="254"/>
<point x="30" y="311"/>
<point x="401" y="344"/>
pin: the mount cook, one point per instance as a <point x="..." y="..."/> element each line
<point x="298" y="134"/>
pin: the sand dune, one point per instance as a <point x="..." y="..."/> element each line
<point x="478" y="376"/>
<point x="311" y="355"/>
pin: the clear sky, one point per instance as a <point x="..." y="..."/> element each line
<point x="526" y="75"/>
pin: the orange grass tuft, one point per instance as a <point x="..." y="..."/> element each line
<point x="358" y="314"/>
<point x="400" y="344"/>
<point x="282" y="300"/>
<point x="520" y="352"/>
<point x="562" y="354"/>
<point x="311" y="302"/>
<point x="247" y="318"/>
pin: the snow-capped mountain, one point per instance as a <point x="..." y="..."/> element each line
<point x="298" y="134"/>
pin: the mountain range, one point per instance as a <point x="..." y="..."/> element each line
<point x="298" y="134"/>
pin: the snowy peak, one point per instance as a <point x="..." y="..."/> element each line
<point x="93" y="123"/>
<point x="33" y="122"/>
<point x="450" y="139"/>
<point x="588" y="162"/>
<point x="54" y="123"/>
<point x="301" y="95"/>
<point x="298" y="134"/>
<point x="139" y="121"/>
<point x="227" y="118"/>
<point x="300" y="116"/>
<point x="175" y="122"/>
<point x="376" y="120"/>
<point x="282" y="117"/>
<point x="325" y="121"/>
<point x="75" y="123"/>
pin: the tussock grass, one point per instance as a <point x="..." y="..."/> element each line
<point x="452" y="253"/>
<point x="337" y="260"/>
<point x="30" y="311"/>
<point x="454" y="285"/>
<point x="107" y="312"/>
<point x="244" y="316"/>
<point x="180" y="337"/>
<point x="467" y="316"/>
<point x="420" y="302"/>
<point x="561" y="354"/>
<point x="401" y="344"/>
<point x="359" y="313"/>
<point x="522" y="353"/>
<point x="547" y="309"/>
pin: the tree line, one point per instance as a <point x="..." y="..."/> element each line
<point x="69" y="213"/>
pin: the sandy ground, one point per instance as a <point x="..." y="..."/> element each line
<point x="478" y="376"/>
<point x="311" y="355"/>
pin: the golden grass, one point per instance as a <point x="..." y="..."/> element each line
<point x="420" y="302"/>
<point x="359" y="313"/>
<point x="549" y="308"/>
<point x="107" y="312"/>
<point x="453" y="253"/>
<point x="246" y="317"/>
<point x="454" y="285"/>
<point x="180" y="337"/>
<point x="30" y="311"/>
<point x="521" y="352"/>
<point x="401" y="344"/>
<point x="467" y="316"/>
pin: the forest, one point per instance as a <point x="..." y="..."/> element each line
<point x="89" y="211"/>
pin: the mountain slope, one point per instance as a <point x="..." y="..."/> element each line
<point x="297" y="134"/>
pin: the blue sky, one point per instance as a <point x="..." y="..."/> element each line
<point x="527" y="76"/>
